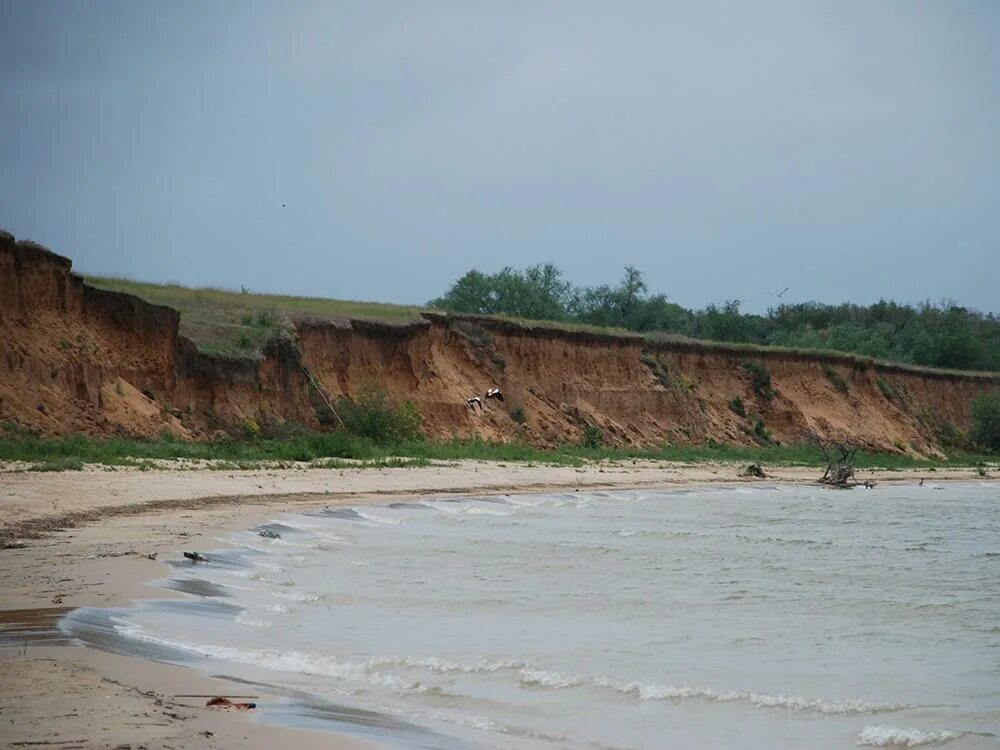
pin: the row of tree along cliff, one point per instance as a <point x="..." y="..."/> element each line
<point x="78" y="359"/>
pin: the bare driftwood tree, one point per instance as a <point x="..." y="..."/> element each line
<point x="839" y="457"/>
<point x="754" y="470"/>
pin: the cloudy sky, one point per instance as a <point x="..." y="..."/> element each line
<point x="849" y="150"/>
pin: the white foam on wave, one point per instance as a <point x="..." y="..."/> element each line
<point x="374" y="670"/>
<point x="244" y="619"/>
<point x="295" y="596"/>
<point x="444" y="666"/>
<point x="278" y="609"/>
<point x="530" y="676"/>
<point x="528" y="501"/>
<point x="380" y="519"/>
<point x="886" y="736"/>
<point x="541" y="678"/>
<point x="286" y="543"/>
<point x="477" y="510"/>
<point x="288" y="661"/>
<point x="287" y="583"/>
<point x="656" y="691"/>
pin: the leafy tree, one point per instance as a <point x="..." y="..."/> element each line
<point x="538" y="293"/>
<point x="937" y="335"/>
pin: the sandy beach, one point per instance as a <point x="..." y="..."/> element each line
<point x="97" y="537"/>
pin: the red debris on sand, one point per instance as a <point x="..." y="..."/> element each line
<point x="226" y="703"/>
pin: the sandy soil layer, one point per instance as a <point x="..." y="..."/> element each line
<point x="95" y="538"/>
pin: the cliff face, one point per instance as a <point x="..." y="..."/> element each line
<point x="77" y="359"/>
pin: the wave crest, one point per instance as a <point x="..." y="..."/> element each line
<point x="886" y="736"/>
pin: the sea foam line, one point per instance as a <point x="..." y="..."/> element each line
<point x="372" y="670"/>
<point x="656" y="691"/>
<point x="886" y="736"/>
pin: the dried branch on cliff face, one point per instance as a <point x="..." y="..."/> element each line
<point x="839" y="458"/>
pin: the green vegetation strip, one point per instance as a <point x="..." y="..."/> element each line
<point x="340" y="450"/>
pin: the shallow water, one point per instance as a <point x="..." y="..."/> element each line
<point x="750" y="617"/>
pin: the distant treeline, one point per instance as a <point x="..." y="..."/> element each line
<point x="933" y="335"/>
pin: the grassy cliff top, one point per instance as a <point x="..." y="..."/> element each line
<point x="237" y="323"/>
<point x="223" y="321"/>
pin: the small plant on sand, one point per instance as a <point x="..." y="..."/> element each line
<point x="760" y="379"/>
<point x="517" y="414"/>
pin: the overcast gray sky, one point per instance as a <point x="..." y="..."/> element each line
<point x="848" y="150"/>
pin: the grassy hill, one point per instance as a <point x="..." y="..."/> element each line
<point x="237" y="323"/>
<point x="222" y="321"/>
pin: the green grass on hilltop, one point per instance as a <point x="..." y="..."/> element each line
<point x="238" y="323"/>
<point x="222" y="321"/>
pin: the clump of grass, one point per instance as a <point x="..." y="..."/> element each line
<point x="760" y="379"/>
<point x="738" y="407"/>
<point x="887" y="390"/>
<point x="761" y="432"/>
<point x="481" y="339"/>
<point x="592" y="437"/>
<point x="372" y="414"/>
<point x="657" y="368"/>
<point x="835" y="380"/>
<point x="476" y="335"/>
<point x="518" y="415"/>
<point x="251" y="428"/>
<point x="946" y="433"/>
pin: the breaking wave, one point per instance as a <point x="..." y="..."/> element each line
<point x="885" y="736"/>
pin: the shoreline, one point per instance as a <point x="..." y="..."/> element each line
<point x="92" y="536"/>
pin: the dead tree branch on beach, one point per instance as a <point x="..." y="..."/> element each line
<point x="839" y="457"/>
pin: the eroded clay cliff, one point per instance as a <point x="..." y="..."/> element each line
<point x="78" y="359"/>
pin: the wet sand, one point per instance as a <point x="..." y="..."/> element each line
<point x="97" y="537"/>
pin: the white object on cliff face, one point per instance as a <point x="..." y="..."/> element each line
<point x="494" y="393"/>
<point x="474" y="402"/>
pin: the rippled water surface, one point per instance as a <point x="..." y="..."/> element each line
<point x="763" y="617"/>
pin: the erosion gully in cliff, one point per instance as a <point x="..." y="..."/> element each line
<point x="74" y="358"/>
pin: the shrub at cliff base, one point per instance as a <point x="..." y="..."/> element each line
<point x="374" y="415"/>
<point x="986" y="421"/>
